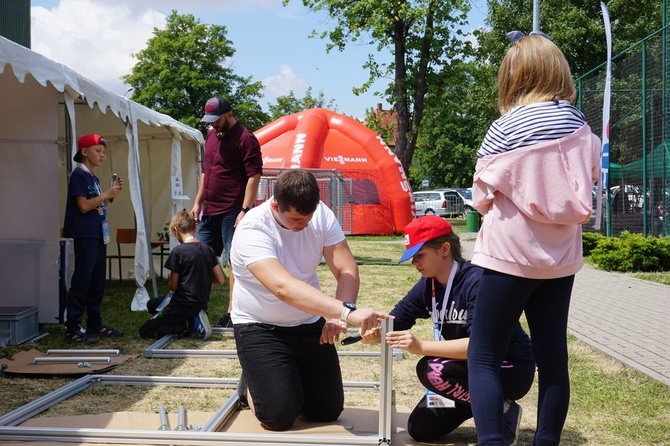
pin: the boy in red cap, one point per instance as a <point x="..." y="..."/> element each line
<point x="86" y="223"/>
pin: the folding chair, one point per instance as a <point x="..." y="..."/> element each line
<point x="124" y="236"/>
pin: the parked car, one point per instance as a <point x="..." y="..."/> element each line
<point x="443" y="202"/>
<point x="466" y="195"/>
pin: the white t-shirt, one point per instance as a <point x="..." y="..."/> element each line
<point x="258" y="237"/>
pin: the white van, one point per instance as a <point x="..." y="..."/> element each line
<point x="444" y="202"/>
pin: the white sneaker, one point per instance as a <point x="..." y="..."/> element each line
<point x="201" y="325"/>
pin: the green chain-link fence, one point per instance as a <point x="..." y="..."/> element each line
<point x="638" y="199"/>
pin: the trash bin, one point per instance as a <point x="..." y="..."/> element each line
<point x="472" y="221"/>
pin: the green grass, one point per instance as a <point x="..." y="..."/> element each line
<point x="621" y="404"/>
<point x="662" y="277"/>
<point x="659" y="277"/>
<point x="611" y="404"/>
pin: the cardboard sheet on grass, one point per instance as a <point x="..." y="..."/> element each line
<point x="354" y="420"/>
<point x="23" y="363"/>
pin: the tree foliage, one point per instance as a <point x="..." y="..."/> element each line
<point x="289" y="104"/>
<point x="460" y="109"/>
<point x="576" y="26"/>
<point x="464" y="101"/>
<point x="184" y="65"/>
<point x="421" y="37"/>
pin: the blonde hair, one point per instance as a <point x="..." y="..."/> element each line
<point x="184" y="222"/>
<point x="533" y="70"/>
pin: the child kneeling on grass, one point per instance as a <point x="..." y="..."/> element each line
<point x="193" y="267"/>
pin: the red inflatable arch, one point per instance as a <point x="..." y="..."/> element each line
<point x="321" y="139"/>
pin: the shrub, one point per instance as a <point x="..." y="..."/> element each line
<point x="590" y="240"/>
<point x="632" y="252"/>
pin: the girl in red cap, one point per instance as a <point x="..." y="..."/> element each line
<point x="446" y="293"/>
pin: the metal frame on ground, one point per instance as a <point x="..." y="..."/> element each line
<point x="10" y="431"/>
<point x="158" y="349"/>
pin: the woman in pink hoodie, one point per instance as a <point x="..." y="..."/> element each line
<point x="533" y="181"/>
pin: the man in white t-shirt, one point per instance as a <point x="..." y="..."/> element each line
<point x="285" y="326"/>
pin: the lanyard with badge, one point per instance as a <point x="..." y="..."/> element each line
<point x="102" y="209"/>
<point x="433" y="399"/>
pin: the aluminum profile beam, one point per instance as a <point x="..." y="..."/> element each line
<point x="9" y="430"/>
<point x="83" y="352"/>
<point x="385" y="384"/>
<point x="155" y="437"/>
<point x="71" y="359"/>
<point x="159" y="349"/>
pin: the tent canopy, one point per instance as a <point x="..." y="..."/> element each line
<point x="658" y="165"/>
<point x="45" y="107"/>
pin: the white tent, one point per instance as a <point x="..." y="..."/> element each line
<point x="45" y="107"/>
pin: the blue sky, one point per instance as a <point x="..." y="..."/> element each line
<point x="97" y="37"/>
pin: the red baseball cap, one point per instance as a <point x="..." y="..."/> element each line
<point x="422" y="230"/>
<point x="88" y="141"/>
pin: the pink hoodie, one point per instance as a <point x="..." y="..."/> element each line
<point x="534" y="201"/>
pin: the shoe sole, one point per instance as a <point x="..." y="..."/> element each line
<point x="204" y="320"/>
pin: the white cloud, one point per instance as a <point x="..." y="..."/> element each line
<point x="283" y="83"/>
<point x="92" y="38"/>
<point x="97" y="37"/>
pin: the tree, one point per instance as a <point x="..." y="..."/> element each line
<point x="462" y="102"/>
<point x="460" y="108"/>
<point x="420" y="35"/>
<point x="576" y="26"/>
<point x="289" y="104"/>
<point x="184" y="65"/>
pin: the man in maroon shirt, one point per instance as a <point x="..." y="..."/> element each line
<point x="229" y="180"/>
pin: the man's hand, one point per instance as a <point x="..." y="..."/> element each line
<point x="239" y="218"/>
<point x="331" y="331"/>
<point x="366" y="318"/>
<point x="195" y="211"/>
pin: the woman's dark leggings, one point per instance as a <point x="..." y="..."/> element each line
<point x="500" y="301"/>
<point x="449" y="378"/>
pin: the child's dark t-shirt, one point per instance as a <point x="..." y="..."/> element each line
<point x="88" y="224"/>
<point x="193" y="262"/>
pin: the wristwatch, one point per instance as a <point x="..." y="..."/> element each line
<point x="246" y="209"/>
<point x="346" y="309"/>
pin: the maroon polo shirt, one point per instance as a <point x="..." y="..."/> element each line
<point x="228" y="164"/>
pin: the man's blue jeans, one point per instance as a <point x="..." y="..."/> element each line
<point x="216" y="231"/>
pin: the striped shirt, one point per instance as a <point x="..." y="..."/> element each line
<point x="527" y="125"/>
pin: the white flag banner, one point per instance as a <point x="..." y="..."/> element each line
<point x="603" y="183"/>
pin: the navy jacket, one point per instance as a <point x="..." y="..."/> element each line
<point x="417" y="304"/>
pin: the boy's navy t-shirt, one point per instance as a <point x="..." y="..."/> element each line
<point x="89" y="224"/>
